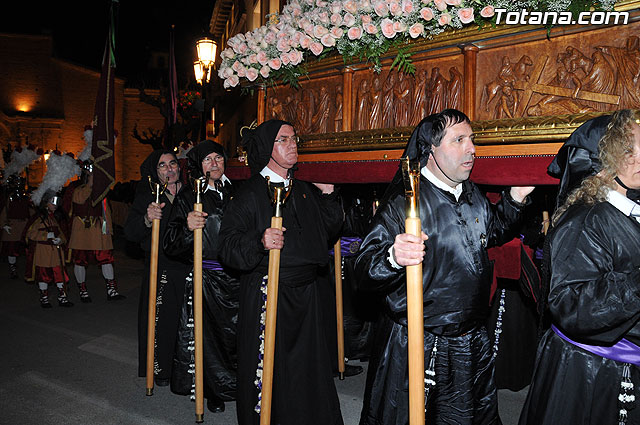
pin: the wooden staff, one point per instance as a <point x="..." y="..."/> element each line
<point x="197" y="305"/>
<point x="415" y="317"/>
<point x="337" y="263"/>
<point x="157" y="190"/>
<point x="278" y="195"/>
<point x="545" y="222"/>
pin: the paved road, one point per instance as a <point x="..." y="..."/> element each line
<point x="79" y="365"/>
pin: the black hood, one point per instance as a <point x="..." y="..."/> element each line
<point x="259" y="143"/>
<point x="200" y="152"/>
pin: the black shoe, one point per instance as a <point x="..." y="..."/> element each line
<point x="162" y="382"/>
<point x="115" y="297"/>
<point x="64" y="302"/>
<point x="215" y="405"/>
<point x="45" y="304"/>
<point x="350" y="370"/>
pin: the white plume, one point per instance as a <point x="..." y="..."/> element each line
<point x="60" y="168"/>
<point x="19" y="161"/>
<point x="88" y="139"/>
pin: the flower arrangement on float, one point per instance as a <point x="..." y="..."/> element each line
<point x="362" y="29"/>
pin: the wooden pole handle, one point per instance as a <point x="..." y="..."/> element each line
<point x="415" y="324"/>
<point x="151" y="316"/>
<point x="270" y="329"/>
<point x="337" y="262"/>
<point x="197" y="317"/>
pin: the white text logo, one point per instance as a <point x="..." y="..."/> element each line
<point x="523" y="17"/>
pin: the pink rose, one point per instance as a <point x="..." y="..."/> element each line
<point x="386" y="25"/>
<point x="285" y="59"/>
<point x="336" y="32"/>
<point x="336" y="19"/>
<point x="440" y="5"/>
<point x="407" y="7"/>
<point x="371" y="28"/>
<point x="321" y="3"/>
<point x="231" y="81"/>
<point x="264" y="71"/>
<point x="487" y="12"/>
<point x="444" y="19"/>
<point x="395" y="8"/>
<point x="319" y="31"/>
<point x="308" y="28"/>
<point x="316" y="48"/>
<point x="348" y="20"/>
<point x="283" y="45"/>
<point x="270" y="38"/>
<point x="465" y="15"/>
<point x="364" y="5"/>
<point x="426" y="13"/>
<point x="305" y="41"/>
<point x="225" y="72"/>
<point x="416" y="30"/>
<point x="350" y="6"/>
<point x="252" y="74"/>
<point x="323" y="17"/>
<point x="366" y="19"/>
<point x="275" y="64"/>
<point x="336" y="7"/>
<point x="236" y="66"/>
<point x="295" y="57"/>
<point x="262" y="58"/>
<point x="327" y="40"/>
<point x="253" y="58"/>
<point x="354" y="33"/>
<point x="399" y="26"/>
<point x="381" y="9"/>
<point x="453" y="2"/>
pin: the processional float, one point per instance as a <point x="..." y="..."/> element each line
<point x="157" y="190"/>
<point x="279" y="195"/>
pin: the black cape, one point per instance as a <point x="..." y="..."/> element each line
<point x="303" y="387"/>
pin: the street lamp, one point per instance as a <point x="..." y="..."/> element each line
<point x="206" y="49"/>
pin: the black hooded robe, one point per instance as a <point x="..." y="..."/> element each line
<point x="594" y="299"/>
<point x="457" y="276"/>
<point x="171" y="275"/>
<point x="303" y="387"/>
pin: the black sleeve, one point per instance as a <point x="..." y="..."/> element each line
<point x="178" y="239"/>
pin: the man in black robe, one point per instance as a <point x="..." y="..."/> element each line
<point x="458" y="223"/>
<point x="162" y="167"/>
<point x="303" y="387"/>
<point x="219" y="287"/>
<point x="587" y="367"/>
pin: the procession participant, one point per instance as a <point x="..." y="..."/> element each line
<point x="220" y="288"/>
<point x="13" y="218"/>
<point x="162" y="167"/>
<point x="303" y="387"/>
<point x="459" y="224"/>
<point x="44" y="235"/>
<point x="587" y="365"/>
<point x="91" y="235"/>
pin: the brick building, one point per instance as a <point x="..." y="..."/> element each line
<point x="47" y="102"/>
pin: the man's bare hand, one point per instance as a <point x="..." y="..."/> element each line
<point x="325" y="187"/>
<point x="408" y="250"/>
<point x="154" y="211"/>
<point x="273" y="238"/>
<point x="196" y="220"/>
<point x="519" y="193"/>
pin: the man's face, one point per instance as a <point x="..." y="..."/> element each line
<point x="629" y="172"/>
<point x="214" y="165"/>
<point x="168" y="169"/>
<point x="285" y="148"/>
<point x="454" y="156"/>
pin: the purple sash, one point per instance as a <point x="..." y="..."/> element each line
<point x="623" y="351"/>
<point x="349" y="246"/>
<point x="212" y="265"/>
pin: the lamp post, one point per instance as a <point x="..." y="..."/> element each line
<point x="206" y="49"/>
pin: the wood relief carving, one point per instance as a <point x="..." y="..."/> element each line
<point x="576" y="82"/>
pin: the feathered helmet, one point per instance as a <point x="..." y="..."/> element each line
<point x="61" y="167"/>
<point x="21" y="157"/>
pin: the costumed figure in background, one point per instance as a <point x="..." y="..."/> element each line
<point x="459" y="224"/>
<point x="160" y="167"/>
<point x="303" y="388"/>
<point x="17" y="208"/>
<point x="91" y="234"/>
<point x="219" y="286"/>
<point x="587" y="365"/>
<point x="45" y="238"/>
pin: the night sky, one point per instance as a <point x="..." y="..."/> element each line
<point x="79" y="30"/>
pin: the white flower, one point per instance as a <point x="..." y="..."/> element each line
<point x="354" y="33"/>
<point x="231" y="81"/>
<point x="316" y="48"/>
<point x="327" y="40"/>
<point x="416" y="30"/>
<point x="336" y="32"/>
<point x="386" y="25"/>
<point x="466" y="15"/>
<point x="349" y="20"/>
<point x="252" y="74"/>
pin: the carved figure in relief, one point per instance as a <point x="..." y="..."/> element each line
<point x="436" y="92"/>
<point x="276" y="108"/>
<point x="506" y="76"/>
<point x="388" y="101"/>
<point x="418" y="111"/>
<point x="508" y="103"/>
<point x="402" y="92"/>
<point x="289" y="108"/>
<point x="627" y="62"/>
<point x="376" y="103"/>
<point x="364" y="106"/>
<point x="320" y="119"/>
<point x="455" y="89"/>
<point x="559" y="105"/>
<point x="337" y="117"/>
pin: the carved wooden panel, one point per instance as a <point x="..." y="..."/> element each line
<point x="577" y="73"/>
